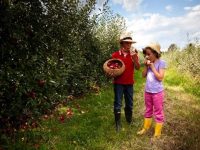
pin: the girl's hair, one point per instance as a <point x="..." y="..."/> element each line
<point x="153" y="51"/>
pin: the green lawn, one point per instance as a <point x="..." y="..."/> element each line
<point x="92" y="125"/>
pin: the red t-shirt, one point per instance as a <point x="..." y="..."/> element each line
<point x="127" y="76"/>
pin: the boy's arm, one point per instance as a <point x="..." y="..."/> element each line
<point x="136" y="61"/>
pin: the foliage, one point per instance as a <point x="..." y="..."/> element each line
<point x="50" y="50"/>
<point x="92" y="112"/>
<point x="108" y="29"/>
<point x="95" y="113"/>
<point x="172" y="47"/>
<point x="189" y="59"/>
<point x="186" y="60"/>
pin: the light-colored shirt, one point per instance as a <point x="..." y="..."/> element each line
<point x="153" y="85"/>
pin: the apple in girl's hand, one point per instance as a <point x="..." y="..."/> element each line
<point x="147" y="57"/>
<point x="148" y="62"/>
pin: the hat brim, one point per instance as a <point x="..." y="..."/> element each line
<point x="130" y="41"/>
<point x="144" y="49"/>
<point x="147" y="47"/>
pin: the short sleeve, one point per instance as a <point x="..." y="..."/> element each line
<point x="114" y="55"/>
<point x="163" y="64"/>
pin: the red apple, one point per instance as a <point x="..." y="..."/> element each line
<point x="112" y="66"/>
<point x="41" y="83"/>
<point x="62" y="118"/>
<point x="69" y="113"/>
<point x="34" y="124"/>
<point x="31" y="94"/>
<point x="45" y="116"/>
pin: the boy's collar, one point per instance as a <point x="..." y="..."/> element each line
<point x="121" y="52"/>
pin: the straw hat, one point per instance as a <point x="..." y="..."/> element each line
<point x="126" y="37"/>
<point x="154" y="46"/>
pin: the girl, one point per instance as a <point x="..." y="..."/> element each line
<point x="154" y="92"/>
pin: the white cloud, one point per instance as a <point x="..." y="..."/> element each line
<point x="187" y="8"/>
<point x="195" y="8"/>
<point x="128" y="5"/>
<point x="165" y="30"/>
<point x="168" y="8"/>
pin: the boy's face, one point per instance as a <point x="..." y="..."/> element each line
<point x="126" y="46"/>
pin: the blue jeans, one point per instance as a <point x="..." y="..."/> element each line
<point x="119" y="91"/>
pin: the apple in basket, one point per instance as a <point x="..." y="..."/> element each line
<point x="114" y="67"/>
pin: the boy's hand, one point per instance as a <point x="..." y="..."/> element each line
<point x="134" y="55"/>
<point x="110" y="75"/>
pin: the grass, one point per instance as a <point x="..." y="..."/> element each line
<point x="183" y="80"/>
<point x="95" y="128"/>
<point x="92" y="125"/>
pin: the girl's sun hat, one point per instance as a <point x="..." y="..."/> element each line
<point x="154" y="46"/>
<point x="126" y="37"/>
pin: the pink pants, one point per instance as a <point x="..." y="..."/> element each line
<point x="154" y="105"/>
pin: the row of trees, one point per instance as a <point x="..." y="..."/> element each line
<point x="186" y="59"/>
<point x="50" y="50"/>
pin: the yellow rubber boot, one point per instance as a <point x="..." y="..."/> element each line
<point x="158" y="129"/>
<point x="147" y="124"/>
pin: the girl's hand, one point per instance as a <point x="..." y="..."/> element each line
<point x="150" y="64"/>
<point x="147" y="62"/>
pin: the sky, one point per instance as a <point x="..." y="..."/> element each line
<point x="163" y="21"/>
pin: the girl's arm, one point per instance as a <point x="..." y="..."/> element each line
<point x="144" y="72"/>
<point x="158" y="74"/>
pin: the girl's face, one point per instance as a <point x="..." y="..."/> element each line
<point x="126" y="46"/>
<point x="150" y="54"/>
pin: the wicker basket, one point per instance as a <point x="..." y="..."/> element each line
<point x="114" y="67"/>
